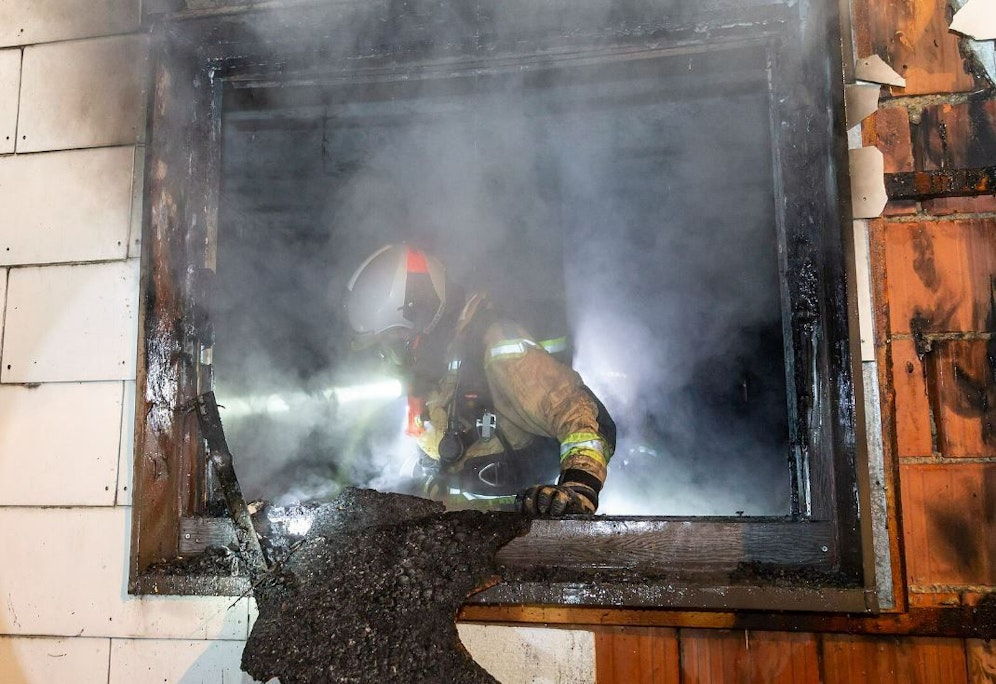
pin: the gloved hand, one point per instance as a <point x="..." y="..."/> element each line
<point x="566" y="498"/>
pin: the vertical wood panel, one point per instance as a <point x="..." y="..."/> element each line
<point x="887" y="660"/>
<point x="173" y="241"/>
<point x="634" y="655"/>
<point x="719" y="656"/>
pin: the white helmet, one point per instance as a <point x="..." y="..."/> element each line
<point x="398" y="286"/>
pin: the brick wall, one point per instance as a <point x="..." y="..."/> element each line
<point x="935" y="266"/>
<point x="933" y="299"/>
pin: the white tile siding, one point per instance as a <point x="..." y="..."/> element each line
<point x="67" y="576"/>
<point x="66" y="323"/>
<point x="4" y="274"/>
<point x="66" y="206"/>
<point x="85" y="93"/>
<point x="24" y="22"/>
<point x="152" y="661"/>
<point x="137" y="203"/>
<point x="10" y="83"/>
<point x="42" y="429"/>
<point x="126" y="453"/>
<point x="45" y="660"/>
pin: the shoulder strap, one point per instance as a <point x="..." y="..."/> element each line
<point x="470" y="357"/>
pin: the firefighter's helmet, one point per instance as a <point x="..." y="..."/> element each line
<point x="398" y="287"/>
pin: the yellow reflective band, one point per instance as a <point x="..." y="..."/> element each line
<point x="557" y="344"/>
<point x="579" y="439"/>
<point x="583" y="443"/>
<point x="582" y="452"/>
<point x="510" y="348"/>
<point x="454" y="364"/>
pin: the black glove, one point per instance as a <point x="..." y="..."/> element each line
<point x="576" y="493"/>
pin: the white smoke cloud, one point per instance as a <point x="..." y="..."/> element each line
<point x="639" y="197"/>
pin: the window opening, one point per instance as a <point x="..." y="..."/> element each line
<point x="595" y="192"/>
<point x="261" y="152"/>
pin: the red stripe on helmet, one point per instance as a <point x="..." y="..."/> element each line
<point x="417" y="262"/>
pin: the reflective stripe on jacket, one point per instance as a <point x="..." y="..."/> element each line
<point x="532" y="394"/>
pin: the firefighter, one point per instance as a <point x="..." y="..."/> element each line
<point x="500" y="420"/>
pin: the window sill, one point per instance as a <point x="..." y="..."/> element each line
<point x="667" y="563"/>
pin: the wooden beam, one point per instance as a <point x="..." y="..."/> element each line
<point x="168" y="457"/>
<point x="662" y="544"/>
<point x="921" y="185"/>
<point x="964" y="621"/>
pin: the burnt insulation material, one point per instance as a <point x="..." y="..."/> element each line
<point x="372" y="593"/>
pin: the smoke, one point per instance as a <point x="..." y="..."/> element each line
<point x="637" y="193"/>
<point x="679" y="330"/>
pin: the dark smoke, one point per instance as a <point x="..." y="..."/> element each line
<point x="639" y="194"/>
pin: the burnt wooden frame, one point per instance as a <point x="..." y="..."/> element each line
<point x="815" y="560"/>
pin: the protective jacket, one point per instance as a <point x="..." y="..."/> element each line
<point x="516" y="410"/>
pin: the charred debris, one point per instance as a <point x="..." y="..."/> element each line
<point x="365" y="588"/>
<point x="372" y="592"/>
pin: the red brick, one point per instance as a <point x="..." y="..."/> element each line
<point x="934" y="599"/>
<point x="893" y="660"/>
<point x="940" y="272"/>
<point x="913" y="411"/>
<point x="945" y="206"/>
<point x="888" y="129"/>
<point x="947" y="599"/>
<point x="959" y="136"/>
<point x="949" y="524"/>
<point x="901" y="208"/>
<point x="945" y="401"/>
<point x="913" y="37"/>
<point x="960" y="384"/>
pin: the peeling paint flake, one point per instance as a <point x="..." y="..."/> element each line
<point x="860" y="102"/>
<point x="976" y="19"/>
<point x="868" y="196"/>
<point x="875" y="70"/>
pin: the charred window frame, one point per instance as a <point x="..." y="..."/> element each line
<point x="814" y="560"/>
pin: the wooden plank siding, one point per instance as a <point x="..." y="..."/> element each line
<point x="899" y="660"/>
<point x="748" y="656"/>
<point x="705" y="656"/>
<point x="637" y="654"/>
